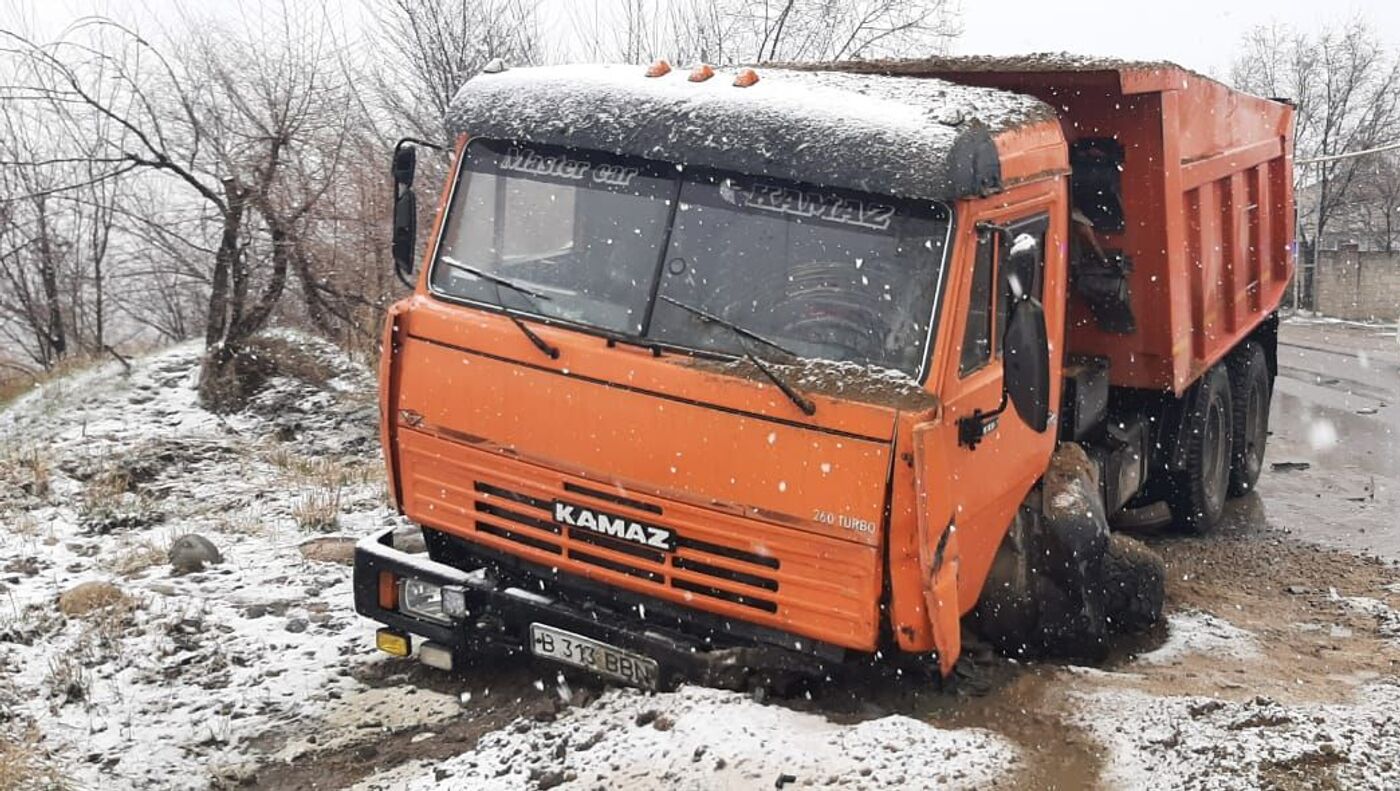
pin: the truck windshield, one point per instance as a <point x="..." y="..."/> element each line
<point x="826" y="273"/>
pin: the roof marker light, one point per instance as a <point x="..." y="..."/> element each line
<point x="746" y="78"/>
<point x="494" y="66"/>
<point x="659" y="69"/>
<point x="702" y="72"/>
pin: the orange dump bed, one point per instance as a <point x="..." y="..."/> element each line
<point x="1206" y="196"/>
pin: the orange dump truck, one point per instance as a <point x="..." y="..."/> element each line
<point x="726" y="374"/>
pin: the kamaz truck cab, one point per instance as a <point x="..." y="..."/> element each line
<point x="709" y="374"/>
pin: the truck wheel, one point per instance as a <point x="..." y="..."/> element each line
<point x="1134" y="584"/>
<point x="1197" y="496"/>
<point x="1250" y="390"/>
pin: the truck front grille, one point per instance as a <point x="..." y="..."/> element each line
<point x="697" y="568"/>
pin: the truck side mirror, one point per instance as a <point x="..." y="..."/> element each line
<point x="1026" y="344"/>
<point x="405" y="229"/>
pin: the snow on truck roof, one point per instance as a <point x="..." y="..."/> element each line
<point x="904" y="136"/>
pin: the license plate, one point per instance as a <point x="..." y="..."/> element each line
<point x="589" y="654"/>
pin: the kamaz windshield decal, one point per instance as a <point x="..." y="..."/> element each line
<point x="801" y="203"/>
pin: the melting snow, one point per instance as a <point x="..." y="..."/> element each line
<point x="1197" y="632"/>
<point x="699" y="738"/>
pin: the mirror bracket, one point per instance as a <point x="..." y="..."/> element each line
<point x="973" y="428"/>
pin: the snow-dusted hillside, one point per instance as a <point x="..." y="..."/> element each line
<point x="165" y="675"/>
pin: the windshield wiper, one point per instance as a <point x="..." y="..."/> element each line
<point x="550" y="351"/>
<point x="803" y="403"/>
<point x="705" y="315"/>
<point x="497" y="279"/>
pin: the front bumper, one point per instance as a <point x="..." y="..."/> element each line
<point x="498" y="617"/>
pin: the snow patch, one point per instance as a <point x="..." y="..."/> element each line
<point x="1195" y="742"/>
<point x="1198" y="632"/>
<point x="699" y="738"/>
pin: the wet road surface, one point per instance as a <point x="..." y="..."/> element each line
<point x="1336" y="409"/>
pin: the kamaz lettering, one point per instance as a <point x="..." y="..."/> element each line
<point x="614" y="526"/>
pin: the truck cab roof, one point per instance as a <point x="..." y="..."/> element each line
<point x="843" y="130"/>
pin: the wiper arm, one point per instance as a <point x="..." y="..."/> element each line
<point x="707" y="316"/>
<point x="803" y="403"/>
<point x="540" y="343"/>
<point x="550" y="351"/>
<point x="490" y="278"/>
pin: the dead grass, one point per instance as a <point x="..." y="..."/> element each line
<point x="24" y="766"/>
<point x="321" y="472"/>
<point x="68" y="681"/>
<point x="318" y="510"/>
<point x="139" y="557"/>
<point x="27" y="470"/>
<point x="16" y="385"/>
<point x="247" y="522"/>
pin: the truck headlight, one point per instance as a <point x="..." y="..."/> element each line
<point x="422" y="599"/>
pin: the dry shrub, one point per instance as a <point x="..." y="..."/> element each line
<point x="24" y="764"/>
<point x="91" y="598"/>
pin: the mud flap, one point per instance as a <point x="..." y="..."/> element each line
<point x="939" y="556"/>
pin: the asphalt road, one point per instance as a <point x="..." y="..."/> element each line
<point x="1336" y="409"/>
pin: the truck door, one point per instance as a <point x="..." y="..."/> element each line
<point x="987" y="476"/>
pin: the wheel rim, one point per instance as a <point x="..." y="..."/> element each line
<point x="1215" y="464"/>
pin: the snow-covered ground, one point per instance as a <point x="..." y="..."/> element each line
<point x="103" y="471"/>
<point x="700" y="739"/>
<point x="118" y="671"/>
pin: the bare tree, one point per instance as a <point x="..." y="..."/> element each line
<point x="31" y="251"/>
<point x="760" y="31"/>
<point x="1377" y="203"/>
<point x="433" y="46"/>
<point x="1346" y="87"/>
<point x="250" y="122"/>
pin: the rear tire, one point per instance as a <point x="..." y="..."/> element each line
<point x="1250" y="390"/>
<point x="1198" y="491"/>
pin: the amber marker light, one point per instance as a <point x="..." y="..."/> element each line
<point x="388" y="591"/>
<point x="745" y="78"/>
<point x="702" y="72"/>
<point x="659" y="69"/>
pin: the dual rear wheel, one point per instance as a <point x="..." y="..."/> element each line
<point x="1224" y="432"/>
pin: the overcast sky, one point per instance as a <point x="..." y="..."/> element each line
<point x="1199" y="34"/>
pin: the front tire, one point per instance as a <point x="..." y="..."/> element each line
<point x="1251" y="390"/>
<point x="1198" y="491"/>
